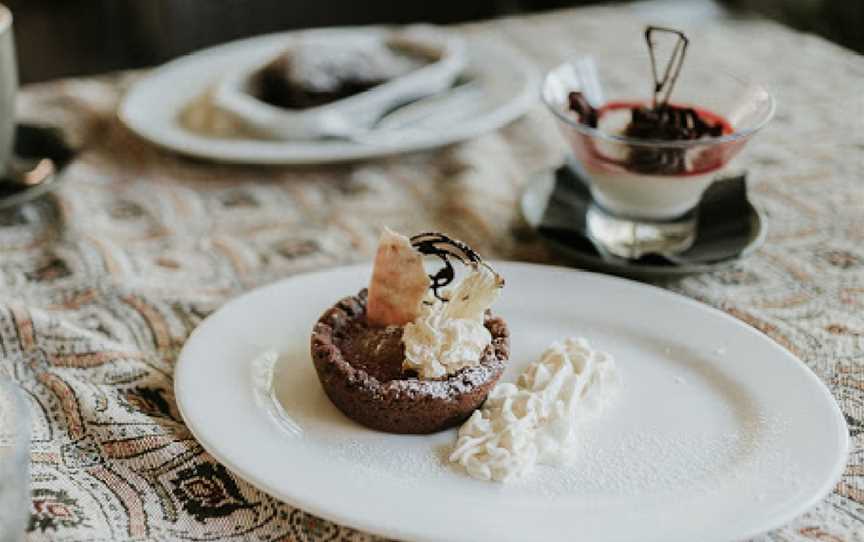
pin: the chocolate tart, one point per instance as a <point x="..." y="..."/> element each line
<point x="360" y="369"/>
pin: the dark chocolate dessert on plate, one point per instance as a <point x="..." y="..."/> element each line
<point x="416" y="352"/>
<point x="316" y="74"/>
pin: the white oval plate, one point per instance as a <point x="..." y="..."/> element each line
<point x="151" y="107"/>
<point x="718" y="433"/>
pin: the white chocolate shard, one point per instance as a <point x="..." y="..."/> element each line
<point x="399" y="282"/>
<point x="474" y="294"/>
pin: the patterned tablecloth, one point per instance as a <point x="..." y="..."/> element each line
<point x="100" y="285"/>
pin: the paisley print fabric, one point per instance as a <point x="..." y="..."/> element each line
<point x="101" y="283"/>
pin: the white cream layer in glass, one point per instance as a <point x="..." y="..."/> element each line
<point x="640" y="195"/>
<point x="657" y="197"/>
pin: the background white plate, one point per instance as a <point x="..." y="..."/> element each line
<point x="718" y="432"/>
<point x="151" y="107"/>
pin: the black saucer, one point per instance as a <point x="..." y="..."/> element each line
<point x="34" y="143"/>
<point x="554" y="204"/>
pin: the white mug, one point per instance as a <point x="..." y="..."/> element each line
<point x="8" y="87"/>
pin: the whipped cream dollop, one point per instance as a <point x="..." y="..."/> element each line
<point x="536" y="419"/>
<point x="436" y="346"/>
<point x="450" y="335"/>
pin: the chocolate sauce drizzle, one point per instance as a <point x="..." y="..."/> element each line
<point x="579" y="104"/>
<point x="673" y="67"/>
<point x="439" y="245"/>
<point x="662" y="121"/>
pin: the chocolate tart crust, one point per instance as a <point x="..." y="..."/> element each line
<point x="400" y="405"/>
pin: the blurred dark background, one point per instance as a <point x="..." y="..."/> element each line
<point x="58" y="38"/>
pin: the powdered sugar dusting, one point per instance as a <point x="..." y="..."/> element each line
<point x="652" y="462"/>
<point x="469" y="380"/>
<point x="380" y="459"/>
<point x="641" y="463"/>
<point x="322" y="65"/>
<point x="732" y="447"/>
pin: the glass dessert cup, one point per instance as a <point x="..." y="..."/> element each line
<point x="14" y="460"/>
<point x="646" y="191"/>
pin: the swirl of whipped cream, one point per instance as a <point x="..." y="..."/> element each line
<point x="535" y="420"/>
<point x="448" y="336"/>
<point x="436" y="345"/>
